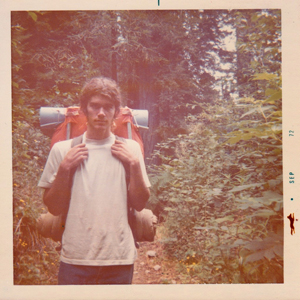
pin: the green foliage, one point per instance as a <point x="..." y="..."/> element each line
<point x="35" y="258"/>
<point x="258" y="48"/>
<point x="47" y="55"/>
<point x="220" y="192"/>
<point x="161" y="59"/>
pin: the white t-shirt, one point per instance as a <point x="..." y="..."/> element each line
<point x="97" y="230"/>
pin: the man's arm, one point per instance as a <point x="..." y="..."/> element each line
<point x="138" y="192"/>
<point x="58" y="196"/>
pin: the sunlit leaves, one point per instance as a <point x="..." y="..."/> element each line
<point x="264" y="76"/>
<point x="33" y="15"/>
<point x="274" y="97"/>
<point x="244" y="187"/>
<point x="225" y="219"/>
<point x="269" y="248"/>
<point x="259" y="50"/>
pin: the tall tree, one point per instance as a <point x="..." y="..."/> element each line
<point x="167" y="61"/>
<point x="258" y="48"/>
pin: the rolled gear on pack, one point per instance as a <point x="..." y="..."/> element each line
<point x="66" y="123"/>
<point x="50" y="226"/>
<point x="143" y="225"/>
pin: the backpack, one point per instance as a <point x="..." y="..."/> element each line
<point x="143" y="223"/>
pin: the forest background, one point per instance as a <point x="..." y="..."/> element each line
<point x="214" y="145"/>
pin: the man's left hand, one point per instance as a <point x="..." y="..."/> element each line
<point x="121" y="151"/>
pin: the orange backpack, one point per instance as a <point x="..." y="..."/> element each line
<point x="74" y="124"/>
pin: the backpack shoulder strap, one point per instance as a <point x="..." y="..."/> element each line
<point x="131" y="213"/>
<point x="120" y="138"/>
<point x="76" y="140"/>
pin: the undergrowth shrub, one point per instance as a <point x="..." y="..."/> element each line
<point x="35" y="258"/>
<point x="221" y="194"/>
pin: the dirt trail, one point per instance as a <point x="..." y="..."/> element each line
<point x="153" y="270"/>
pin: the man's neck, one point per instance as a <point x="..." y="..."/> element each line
<point x="98" y="135"/>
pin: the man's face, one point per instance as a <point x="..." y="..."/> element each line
<point x="100" y="113"/>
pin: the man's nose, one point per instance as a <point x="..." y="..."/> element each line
<point x="101" y="111"/>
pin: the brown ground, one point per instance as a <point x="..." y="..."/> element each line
<point x="144" y="272"/>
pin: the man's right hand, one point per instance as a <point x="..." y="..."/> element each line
<point x="57" y="198"/>
<point x="74" y="157"/>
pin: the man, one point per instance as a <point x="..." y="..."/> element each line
<point x="88" y="182"/>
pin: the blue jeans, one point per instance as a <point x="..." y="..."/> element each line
<point x="77" y="274"/>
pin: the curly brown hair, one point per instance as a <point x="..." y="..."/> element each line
<point x="101" y="86"/>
